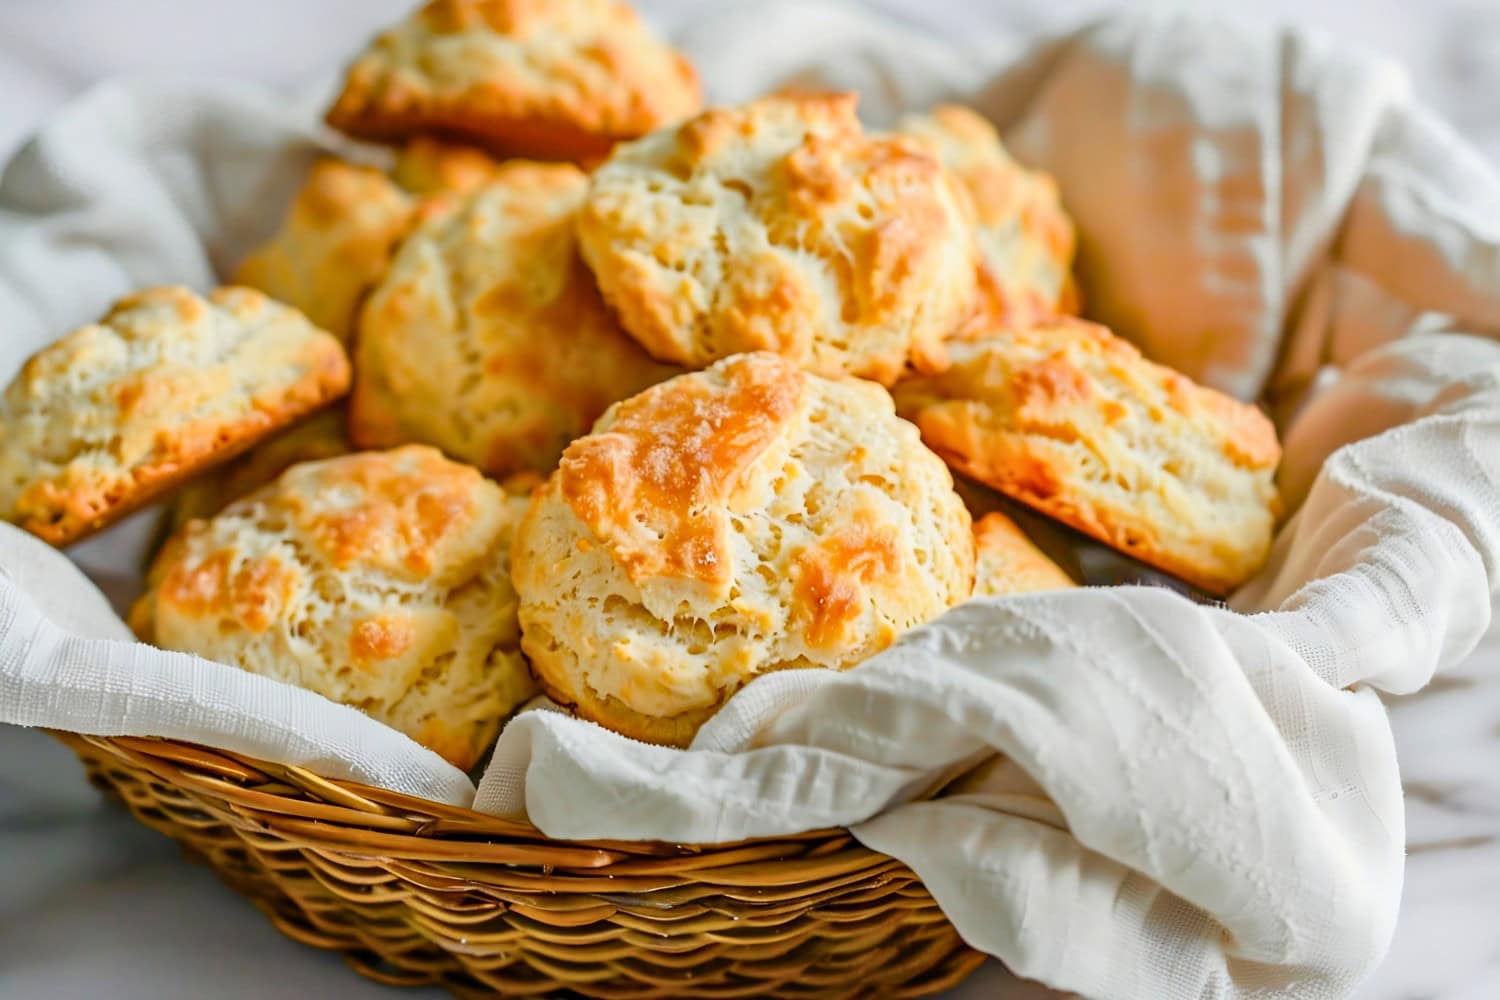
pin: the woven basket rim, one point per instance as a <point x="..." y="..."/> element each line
<point x="415" y="892"/>
<point x="357" y="816"/>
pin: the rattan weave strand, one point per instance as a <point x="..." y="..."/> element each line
<point x="416" y="893"/>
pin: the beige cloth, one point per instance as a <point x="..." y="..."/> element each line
<point x="1145" y="798"/>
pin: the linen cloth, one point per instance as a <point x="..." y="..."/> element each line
<point x="1143" y="797"/>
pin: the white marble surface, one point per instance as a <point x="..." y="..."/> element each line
<point x="93" y="905"/>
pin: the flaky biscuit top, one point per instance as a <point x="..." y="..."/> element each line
<point x="655" y="487"/>
<point x="1071" y="419"/>
<point x="746" y="518"/>
<point x="781" y="226"/>
<point x="166" y="384"/>
<point x="378" y="579"/>
<point x="486" y="336"/>
<point x="575" y="75"/>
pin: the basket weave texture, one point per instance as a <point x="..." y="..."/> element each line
<point x="412" y="892"/>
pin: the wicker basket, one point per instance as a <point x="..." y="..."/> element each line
<point x="412" y="892"/>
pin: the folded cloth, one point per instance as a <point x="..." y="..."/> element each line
<point x="1117" y="792"/>
<point x="1191" y="801"/>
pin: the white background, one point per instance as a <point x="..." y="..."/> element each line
<point x="93" y="905"/>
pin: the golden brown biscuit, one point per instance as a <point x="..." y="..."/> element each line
<point x="726" y="523"/>
<point x="165" y="386"/>
<point x="1006" y="561"/>
<point x="428" y="166"/>
<point x="333" y="245"/>
<point x="552" y="79"/>
<point x="323" y="435"/>
<point x="487" y="337"/>
<point x="782" y="226"/>
<point x="1026" y="238"/>
<point x="1070" y="419"/>
<point x="380" y="580"/>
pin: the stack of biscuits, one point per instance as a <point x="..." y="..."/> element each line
<point x="589" y="391"/>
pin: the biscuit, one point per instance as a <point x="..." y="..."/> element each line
<point x="747" y="518"/>
<point x="333" y="244"/>
<point x="1060" y="544"/>
<point x="166" y="385"/>
<point x="487" y="337"/>
<point x="551" y="79"/>
<point x="427" y="166"/>
<point x="1006" y="561"/>
<point x="1071" y="420"/>
<point x="380" y="580"/>
<point x="320" y="436"/>
<point x="782" y="226"/>
<point x="1026" y="239"/>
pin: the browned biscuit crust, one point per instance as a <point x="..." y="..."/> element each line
<point x="380" y="580"/>
<point x="321" y="436"/>
<point x="549" y="79"/>
<point x="1071" y="420"/>
<point x="486" y="337"/>
<point x="333" y="244"/>
<point x="782" y="226"/>
<point x="168" y="384"/>
<point x="1026" y="239"/>
<point x="428" y="166"/>
<point x="1007" y="562"/>
<point x="747" y="518"/>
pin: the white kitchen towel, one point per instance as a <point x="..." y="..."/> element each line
<point x="1141" y="797"/>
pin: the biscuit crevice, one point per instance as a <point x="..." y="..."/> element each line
<point x="1026" y="238"/>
